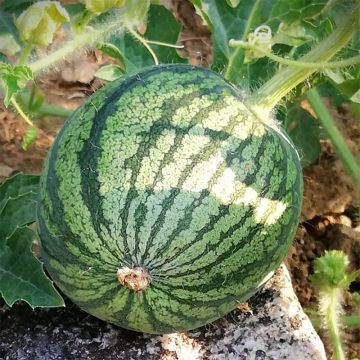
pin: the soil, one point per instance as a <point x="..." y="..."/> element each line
<point x="329" y="218"/>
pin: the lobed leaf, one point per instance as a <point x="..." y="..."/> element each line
<point x="13" y="78"/>
<point x="21" y="274"/>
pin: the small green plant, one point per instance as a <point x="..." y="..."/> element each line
<point x="331" y="280"/>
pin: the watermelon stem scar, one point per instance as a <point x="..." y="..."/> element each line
<point x="135" y="279"/>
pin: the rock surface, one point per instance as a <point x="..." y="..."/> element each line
<point x="271" y="325"/>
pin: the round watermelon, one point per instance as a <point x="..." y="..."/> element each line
<point x="165" y="201"/>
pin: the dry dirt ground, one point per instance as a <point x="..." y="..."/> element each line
<point x="330" y="208"/>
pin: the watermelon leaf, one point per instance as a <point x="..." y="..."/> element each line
<point x="109" y="72"/>
<point x="7" y="25"/>
<point x="305" y="132"/>
<point x="18" y="196"/>
<point x="21" y="274"/>
<point x="111" y="50"/>
<point x="163" y="27"/>
<point x="13" y="78"/>
<point x="228" y="22"/>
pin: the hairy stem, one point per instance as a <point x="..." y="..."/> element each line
<point x="331" y="314"/>
<point x="24" y="98"/>
<point x="145" y="43"/>
<point x="25" y="54"/>
<point x="288" y="78"/>
<point x="84" y="39"/>
<point x="165" y="44"/>
<point x="20" y="111"/>
<point x="302" y="64"/>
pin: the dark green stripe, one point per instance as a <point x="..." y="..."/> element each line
<point x="53" y="245"/>
<point x="161" y="326"/>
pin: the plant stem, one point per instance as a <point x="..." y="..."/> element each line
<point x="44" y="110"/>
<point x="347" y="320"/>
<point x="164" y="44"/>
<point x="356" y="108"/>
<point x="83" y="20"/>
<point x="86" y="38"/>
<point x="335" y="136"/>
<point x="302" y="64"/>
<point x="288" y="78"/>
<point x="20" y="111"/>
<point x="145" y="43"/>
<point x="332" y="322"/>
<point x="233" y="70"/>
<point x="25" y="54"/>
<point x="52" y="110"/>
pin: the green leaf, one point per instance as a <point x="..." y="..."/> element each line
<point x="109" y="72"/>
<point x="162" y="26"/>
<point x="236" y="23"/>
<point x="3" y="59"/>
<point x="74" y="9"/>
<point x="305" y="132"/>
<point x="17" y="6"/>
<point x="7" y="25"/>
<point x="18" y="198"/>
<point x="356" y="97"/>
<point x="134" y="11"/>
<point x="347" y="82"/>
<point x="29" y="138"/>
<point x="21" y="274"/>
<point x="14" y="78"/>
<point x="327" y="89"/>
<point x="228" y="23"/>
<point x="112" y="50"/>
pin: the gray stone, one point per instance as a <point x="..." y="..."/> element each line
<point x="271" y="325"/>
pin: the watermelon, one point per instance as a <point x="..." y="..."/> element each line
<point x="165" y="201"/>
